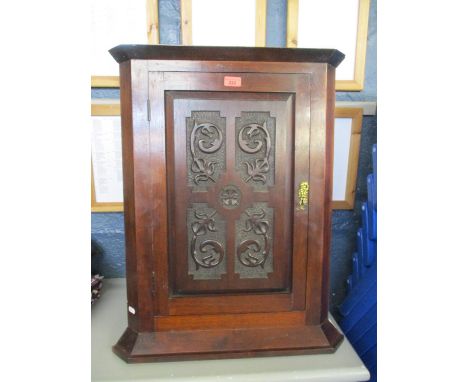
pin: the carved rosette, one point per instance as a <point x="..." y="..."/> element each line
<point x="254" y="242"/>
<point x="206" y="152"/>
<point x="230" y="197"/>
<point x="255" y="149"/>
<point x="206" y="238"/>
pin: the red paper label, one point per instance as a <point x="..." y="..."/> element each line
<point x="234" y="82"/>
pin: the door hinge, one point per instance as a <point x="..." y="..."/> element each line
<point x="148" y="109"/>
<point x="153" y="284"/>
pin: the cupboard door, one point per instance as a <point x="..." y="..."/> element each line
<point x="236" y="238"/>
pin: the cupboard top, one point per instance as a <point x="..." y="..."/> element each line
<point x="123" y="53"/>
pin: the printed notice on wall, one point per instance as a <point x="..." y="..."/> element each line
<point x="342" y="143"/>
<point x="221" y="23"/>
<point x="106" y="156"/>
<point x="114" y="22"/>
<point x="317" y="28"/>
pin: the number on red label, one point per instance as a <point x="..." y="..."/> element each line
<point x="233" y="81"/>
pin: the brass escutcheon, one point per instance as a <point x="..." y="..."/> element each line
<point x="303" y="195"/>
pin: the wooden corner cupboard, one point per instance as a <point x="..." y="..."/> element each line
<point x="227" y="160"/>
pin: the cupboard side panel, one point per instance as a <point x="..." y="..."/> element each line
<point x="138" y="219"/>
<point x="330" y="124"/>
<point x="128" y="191"/>
<point x="160" y="195"/>
<point x="317" y="198"/>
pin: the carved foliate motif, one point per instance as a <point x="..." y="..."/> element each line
<point x="255" y="149"/>
<point x="254" y="242"/>
<point x="206" y="238"/>
<point x="206" y="151"/>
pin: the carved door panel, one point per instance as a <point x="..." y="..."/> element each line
<point x="236" y="241"/>
<point x="231" y="203"/>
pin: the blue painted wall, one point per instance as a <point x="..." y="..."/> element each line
<point x="276" y="23"/>
<point x="107" y="229"/>
<point x="169" y="22"/>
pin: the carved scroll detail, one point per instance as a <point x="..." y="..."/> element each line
<point x="206" y="251"/>
<point x="254" y="242"/>
<point x="257" y="168"/>
<point x="250" y="252"/>
<point x="211" y="252"/>
<point x="204" y="169"/>
<point x="206" y="151"/>
<point x="255" y="154"/>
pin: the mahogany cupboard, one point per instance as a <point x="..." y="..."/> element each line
<point x="227" y="158"/>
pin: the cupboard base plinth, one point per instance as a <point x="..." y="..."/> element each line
<point x="165" y="346"/>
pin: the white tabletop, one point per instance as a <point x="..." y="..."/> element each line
<point x="109" y="320"/>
